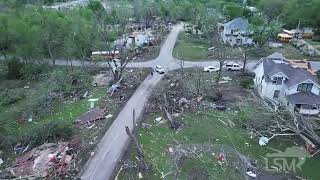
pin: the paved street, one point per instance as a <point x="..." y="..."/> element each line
<point x="110" y="150"/>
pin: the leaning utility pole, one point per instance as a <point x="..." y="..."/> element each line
<point x="142" y="164"/>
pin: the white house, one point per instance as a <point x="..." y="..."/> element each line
<point x="288" y="84"/>
<point x="135" y="39"/>
<point x="237" y="32"/>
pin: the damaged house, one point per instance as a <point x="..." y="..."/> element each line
<point x="236" y="32"/>
<point x="292" y="84"/>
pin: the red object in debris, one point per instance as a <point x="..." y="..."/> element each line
<point x="52" y="157"/>
<point x="220" y="157"/>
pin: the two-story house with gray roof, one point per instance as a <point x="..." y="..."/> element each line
<point x="237" y="32"/>
<point x="284" y="83"/>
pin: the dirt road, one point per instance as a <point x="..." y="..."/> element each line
<point x="111" y="148"/>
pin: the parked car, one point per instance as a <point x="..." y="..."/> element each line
<point x="233" y="67"/>
<point x="159" y="69"/>
<point x="211" y="69"/>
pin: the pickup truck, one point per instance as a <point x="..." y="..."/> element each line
<point x="233" y="67"/>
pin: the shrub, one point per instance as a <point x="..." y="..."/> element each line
<point x="70" y="83"/>
<point x="48" y="132"/>
<point x="32" y="71"/>
<point x="246" y="83"/>
<point x="56" y="86"/>
<point x="38" y="105"/>
<point x="14" y="69"/>
<point x="10" y="96"/>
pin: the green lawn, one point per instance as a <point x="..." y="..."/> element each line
<point x="192" y="48"/>
<point x="287" y="50"/>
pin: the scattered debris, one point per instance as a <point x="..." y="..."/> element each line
<point x="223" y="82"/>
<point x="251" y="173"/>
<point x="19" y="148"/>
<point x="109" y="116"/>
<point x="47" y="160"/>
<point x="92" y="101"/>
<point x="85" y="94"/>
<point x="1" y="161"/>
<point x="158" y="119"/>
<point x="183" y="101"/>
<point x="226" y="78"/>
<point x="263" y="141"/>
<point x="140" y="175"/>
<point x="199" y="98"/>
<point x="91" y="116"/>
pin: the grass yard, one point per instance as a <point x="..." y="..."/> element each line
<point x="205" y="134"/>
<point x="191" y="48"/>
<point x="287" y="50"/>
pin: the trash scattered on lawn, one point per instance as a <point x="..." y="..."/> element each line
<point x="226" y="78"/>
<point x="30" y="119"/>
<point x="92" y="102"/>
<point x="91" y="116"/>
<point x="263" y="141"/>
<point x="1" y="161"/>
<point x="251" y="173"/>
<point x="85" y="94"/>
<point x="170" y="148"/>
<point x="199" y="98"/>
<point x="223" y="82"/>
<point x="47" y="160"/>
<point x="140" y="175"/>
<point x="109" y="116"/>
<point x="158" y="119"/>
<point x="19" y="148"/>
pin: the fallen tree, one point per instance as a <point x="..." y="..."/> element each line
<point x="286" y="123"/>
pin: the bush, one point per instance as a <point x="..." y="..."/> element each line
<point x="38" y="105"/>
<point x="32" y="72"/>
<point x="70" y="83"/>
<point x="49" y="132"/>
<point x="56" y="86"/>
<point x="10" y="96"/>
<point x="14" y="69"/>
<point x="246" y="83"/>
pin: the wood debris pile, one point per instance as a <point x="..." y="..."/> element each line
<point x="91" y="116"/>
<point x="47" y="160"/>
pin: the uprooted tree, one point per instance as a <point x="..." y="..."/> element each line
<point x="282" y="122"/>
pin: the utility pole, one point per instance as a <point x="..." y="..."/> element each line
<point x="142" y="164"/>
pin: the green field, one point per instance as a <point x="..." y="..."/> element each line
<point x="191" y="48"/>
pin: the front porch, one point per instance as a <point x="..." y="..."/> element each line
<point x="307" y="109"/>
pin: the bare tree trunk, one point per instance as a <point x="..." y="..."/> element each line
<point x="51" y="55"/>
<point x="244" y="62"/>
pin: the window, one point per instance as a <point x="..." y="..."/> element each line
<point x="305" y="87"/>
<point x="277" y="80"/>
<point x="276" y="94"/>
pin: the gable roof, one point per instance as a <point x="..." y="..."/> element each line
<point x="276" y="56"/>
<point x="304" y="98"/>
<point x="295" y="75"/>
<point x="237" y="23"/>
